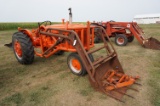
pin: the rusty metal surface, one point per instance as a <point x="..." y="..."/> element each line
<point x="152" y="43"/>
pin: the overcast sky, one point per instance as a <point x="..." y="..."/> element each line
<point x="83" y="10"/>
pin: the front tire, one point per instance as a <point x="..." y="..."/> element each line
<point x="23" y="48"/>
<point x="121" y="40"/>
<point x="75" y="64"/>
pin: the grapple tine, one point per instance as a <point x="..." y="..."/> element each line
<point x="114" y="97"/>
<point x="138" y="84"/>
<point x="133" y="89"/>
<point x="125" y="94"/>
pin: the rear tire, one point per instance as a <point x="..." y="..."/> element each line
<point x="121" y="40"/>
<point x="130" y="38"/>
<point x="23" y="48"/>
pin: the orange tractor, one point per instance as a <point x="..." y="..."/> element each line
<point x="42" y="43"/>
<point x="105" y="72"/>
<point x="125" y="32"/>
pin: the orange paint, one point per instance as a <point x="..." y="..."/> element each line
<point x="76" y="64"/>
<point x="17" y="48"/>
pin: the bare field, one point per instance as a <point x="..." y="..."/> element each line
<point x="49" y="82"/>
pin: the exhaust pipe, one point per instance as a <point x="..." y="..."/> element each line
<point x="70" y="16"/>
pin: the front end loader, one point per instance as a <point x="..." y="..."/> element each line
<point x="105" y="72"/>
<point x="125" y="32"/>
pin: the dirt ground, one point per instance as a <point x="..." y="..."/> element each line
<point x="49" y="82"/>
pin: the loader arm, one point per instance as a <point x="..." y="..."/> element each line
<point x="151" y="43"/>
<point x="74" y="40"/>
<point x="137" y="32"/>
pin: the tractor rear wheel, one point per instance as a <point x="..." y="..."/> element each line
<point x="23" y="48"/>
<point x="97" y="38"/>
<point x="130" y="38"/>
<point x="121" y="40"/>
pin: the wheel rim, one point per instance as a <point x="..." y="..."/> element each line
<point x="120" y="40"/>
<point x="75" y="65"/>
<point x="18" y="50"/>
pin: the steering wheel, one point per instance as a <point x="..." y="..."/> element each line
<point x="44" y="23"/>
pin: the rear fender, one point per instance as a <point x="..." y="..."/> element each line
<point x="27" y="32"/>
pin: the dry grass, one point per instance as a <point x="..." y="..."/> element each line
<point x="49" y="82"/>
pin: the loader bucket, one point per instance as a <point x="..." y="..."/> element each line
<point x="152" y="43"/>
<point x="111" y="79"/>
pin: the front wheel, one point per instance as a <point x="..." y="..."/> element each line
<point x="75" y="64"/>
<point x="121" y="40"/>
<point x="23" y="48"/>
